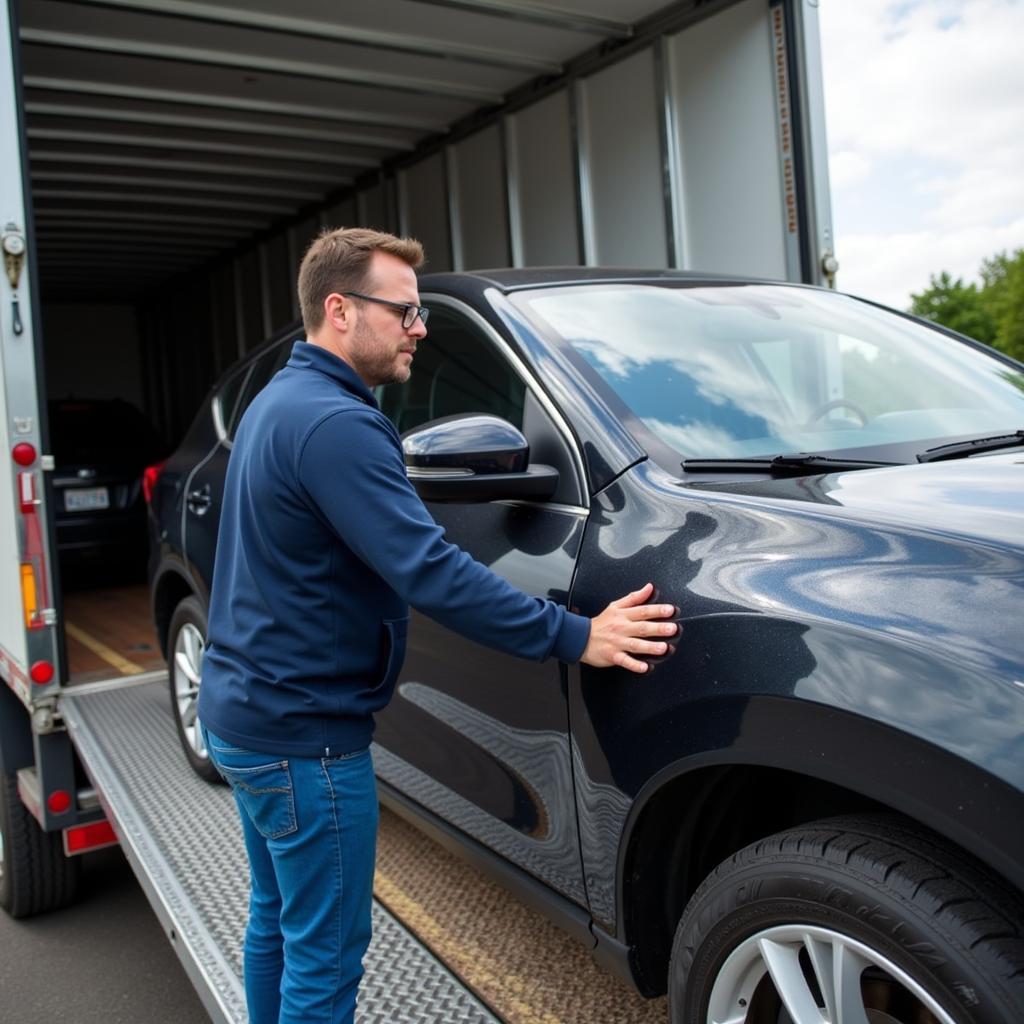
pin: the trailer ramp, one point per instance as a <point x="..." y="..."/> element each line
<point x="184" y="843"/>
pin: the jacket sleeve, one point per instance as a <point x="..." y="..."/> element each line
<point x="351" y="467"/>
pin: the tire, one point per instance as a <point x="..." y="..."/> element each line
<point x="35" y="876"/>
<point x="932" y="938"/>
<point x="185" y="639"/>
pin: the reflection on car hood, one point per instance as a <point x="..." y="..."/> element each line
<point x="981" y="497"/>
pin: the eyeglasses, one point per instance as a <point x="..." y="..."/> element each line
<point x="409" y="310"/>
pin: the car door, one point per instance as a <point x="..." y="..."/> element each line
<point x="478" y="737"/>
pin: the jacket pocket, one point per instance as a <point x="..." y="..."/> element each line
<point x="395" y="632"/>
<point x="264" y="793"/>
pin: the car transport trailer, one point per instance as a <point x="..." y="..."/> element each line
<point x="164" y="164"/>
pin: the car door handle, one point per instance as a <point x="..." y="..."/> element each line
<point x="199" y="500"/>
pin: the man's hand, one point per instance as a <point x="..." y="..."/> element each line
<point x="622" y="629"/>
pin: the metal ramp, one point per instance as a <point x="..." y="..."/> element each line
<point x="184" y="843"/>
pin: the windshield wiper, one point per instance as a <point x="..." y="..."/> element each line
<point x="780" y="464"/>
<point x="959" y="449"/>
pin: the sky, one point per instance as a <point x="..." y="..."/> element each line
<point x="924" y="107"/>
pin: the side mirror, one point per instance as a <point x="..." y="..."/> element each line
<point x="474" y="457"/>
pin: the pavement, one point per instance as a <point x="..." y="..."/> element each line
<point x="104" y="960"/>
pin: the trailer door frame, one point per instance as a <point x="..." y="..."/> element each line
<point x="30" y="659"/>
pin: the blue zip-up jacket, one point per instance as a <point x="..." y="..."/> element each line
<point x="323" y="545"/>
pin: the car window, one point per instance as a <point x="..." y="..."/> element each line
<point x="262" y="370"/>
<point x="733" y="371"/>
<point x="456" y="370"/>
<point x="227" y="397"/>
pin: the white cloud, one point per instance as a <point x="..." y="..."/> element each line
<point x="847" y="168"/>
<point x="889" y="267"/>
<point x="926" y="135"/>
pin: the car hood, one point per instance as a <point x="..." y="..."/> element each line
<point x="980" y="497"/>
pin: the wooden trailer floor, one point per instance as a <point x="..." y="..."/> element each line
<point x="110" y="632"/>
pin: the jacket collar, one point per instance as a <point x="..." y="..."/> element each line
<point x="306" y="356"/>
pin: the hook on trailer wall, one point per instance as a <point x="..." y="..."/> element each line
<point x="14" y="259"/>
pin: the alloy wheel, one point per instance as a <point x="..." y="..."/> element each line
<point x="188" y="668"/>
<point x="799" y="974"/>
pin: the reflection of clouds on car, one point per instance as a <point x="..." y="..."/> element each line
<point x="729" y="371"/>
<point x="697" y="437"/>
<point x="537" y="761"/>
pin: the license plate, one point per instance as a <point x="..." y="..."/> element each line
<point x="86" y="499"/>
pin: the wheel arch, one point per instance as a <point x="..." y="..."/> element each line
<point x="701" y="809"/>
<point x="171" y="585"/>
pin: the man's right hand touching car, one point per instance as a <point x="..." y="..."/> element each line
<point x="628" y="629"/>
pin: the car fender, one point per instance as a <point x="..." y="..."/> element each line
<point x="931" y="785"/>
<point x="172" y="581"/>
<point x="882" y="717"/>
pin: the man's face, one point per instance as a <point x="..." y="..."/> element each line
<point x="381" y="349"/>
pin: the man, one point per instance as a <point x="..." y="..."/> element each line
<point x="323" y="545"/>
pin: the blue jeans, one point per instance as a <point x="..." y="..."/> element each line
<point x="310" y="827"/>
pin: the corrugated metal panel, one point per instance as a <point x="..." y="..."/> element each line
<point x="164" y="131"/>
<point x="728" y="144"/>
<point x="477" y="183"/>
<point x="423" y="200"/>
<point x="620" y="143"/>
<point x="543" y="192"/>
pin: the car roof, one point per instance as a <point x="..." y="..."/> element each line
<point x="517" y="279"/>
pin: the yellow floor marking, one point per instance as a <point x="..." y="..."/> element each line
<point x="110" y="656"/>
<point x="475" y="966"/>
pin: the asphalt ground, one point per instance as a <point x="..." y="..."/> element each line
<point x="106" y="960"/>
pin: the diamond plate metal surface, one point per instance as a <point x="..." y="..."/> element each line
<point x="186" y="841"/>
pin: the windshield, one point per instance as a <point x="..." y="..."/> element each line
<point x="747" y="370"/>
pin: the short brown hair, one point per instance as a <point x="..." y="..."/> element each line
<point x="338" y="260"/>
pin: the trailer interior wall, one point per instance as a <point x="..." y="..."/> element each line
<point x="579" y="176"/>
<point x="661" y="146"/>
<point x="109" y="362"/>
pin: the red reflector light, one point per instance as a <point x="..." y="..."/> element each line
<point x="150" y="475"/>
<point x="59" y="801"/>
<point x="41" y="672"/>
<point x="81" y="838"/>
<point x="23" y="454"/>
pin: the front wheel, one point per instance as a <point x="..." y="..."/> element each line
<point x="864" y="920"/>
<point x="185" y="641"/>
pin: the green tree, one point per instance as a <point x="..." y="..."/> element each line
<point x="1002" y="293"/>
<point x="961" y="307"/>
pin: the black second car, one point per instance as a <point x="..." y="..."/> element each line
<point x="811" y="811"/>
<point x="100" y="448"/>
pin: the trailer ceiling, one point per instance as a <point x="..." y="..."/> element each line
<point x="164" y="132"/>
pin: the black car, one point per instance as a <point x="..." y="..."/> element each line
<point x="101" y="448"/>
<point x="811" y="811"/>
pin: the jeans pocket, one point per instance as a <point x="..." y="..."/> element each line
<point x="264" y="793"/>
